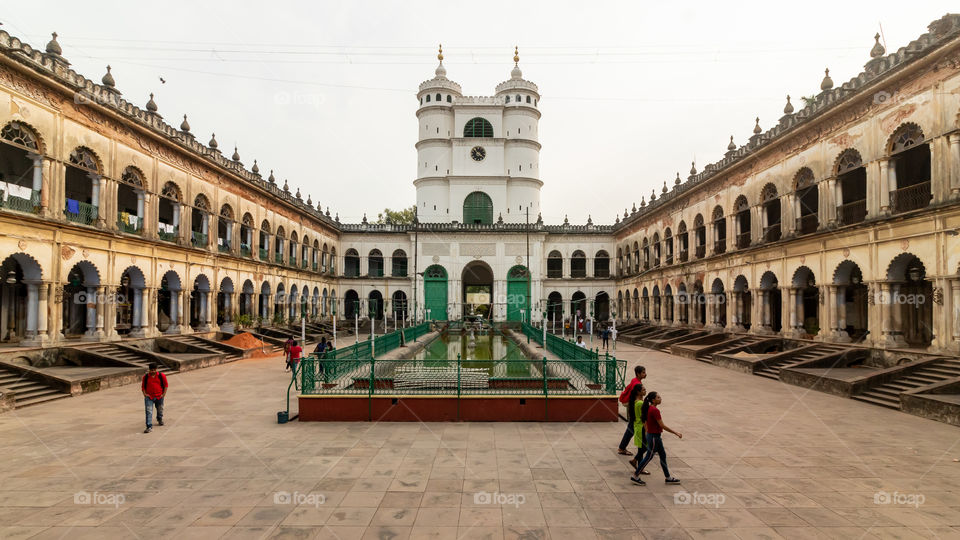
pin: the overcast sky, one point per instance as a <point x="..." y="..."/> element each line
<point x="324" y="93"/>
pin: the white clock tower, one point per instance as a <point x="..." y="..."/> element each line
<point x="478" y="159"/>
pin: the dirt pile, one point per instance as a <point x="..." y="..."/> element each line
<point x="244" y="340"/>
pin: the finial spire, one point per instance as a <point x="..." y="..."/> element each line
<point x="757" y="129"/>
<point x="827" y="82"/>
<point x="440" y="53"/>
<point x="788" y="108"/>
<point x="878" y="50"/>
<point x="516" y="55"/>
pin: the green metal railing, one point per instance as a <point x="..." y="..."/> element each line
<point x="414" y="332"/>
<point x="244" y="250"/>
<point x="168" y="236"/>
<point x="199" y="239"/>
<point x="458" y="377"/>
<point x="12" y="202"/>
<point x="125" y="225"/>
<point x="223" y="248"/>
<point x="582" y="359"/>
<point x="86" y="213"/>
<point x="263" y="255"/>
<point x="278" y="257"/>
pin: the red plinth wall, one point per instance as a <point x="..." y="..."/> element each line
<point x="343" y="408"/>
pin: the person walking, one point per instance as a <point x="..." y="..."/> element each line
<point x="580" y="342"/>
<point x="640" y="373"/>
<point x="653" y="424"/>
<point x="321" y="347"/>
<point x="296" y="351"/>
<point x="286" y="351"/>
<point x="154" y="387"/>
<point x="634" y="410"/>
<point x="613" y="337"/>
<point x="605" y="338"/>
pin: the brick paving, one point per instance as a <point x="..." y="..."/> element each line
<point x="759" y="459"/>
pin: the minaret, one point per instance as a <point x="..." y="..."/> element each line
<point x="521" y="118"/>
<point x="434" y="152"/>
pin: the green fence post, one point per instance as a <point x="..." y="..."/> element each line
<point x="459" y="364"/>
<point x="546" y="414"/>
<point x="370" y="390"/>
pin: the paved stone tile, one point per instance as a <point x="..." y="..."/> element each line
<point x="758" y="459"/>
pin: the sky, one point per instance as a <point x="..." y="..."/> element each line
<point x="324" y="93"/>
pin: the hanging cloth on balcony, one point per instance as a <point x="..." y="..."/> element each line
<point x="73" y="206"/>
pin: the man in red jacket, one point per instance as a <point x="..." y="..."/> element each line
<point x="641" y="373"/>
<point x="154" y="387"/>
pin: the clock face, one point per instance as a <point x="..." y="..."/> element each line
<point x="478" y="153"/>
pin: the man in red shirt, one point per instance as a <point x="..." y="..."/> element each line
<point x="295" y="352"/>
<point x="641" y="373"/>
<point x="154" y="388"/>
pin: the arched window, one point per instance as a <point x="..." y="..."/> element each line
<point x="478" y="127"/>
<point x="601" y="264"/>
<point x="449" y="99"/>
<point x="578" y="264"/>
<point x="719" y="230"/>
<point x="682" y="241"/>
<point x="668" y="246"/>
<point x="130" y="201"/>
<point x="741" y="209"/>
<point x="438" y="97"/>
<point x="852" y="179"/>
<point x="478" y="208"/>
<point x="910" y="164"/>
<point x="351" y="264"/>
<point x="82" y="202"/>
<point x="656" y="249"/>
<point x="554" y="264"/>
<point x="225" y="229"/>
<point x="398" y="263"/>
<point x="375" y="263"/>
<point x="770" y="213"/>
<point x="17" y="160"/>
<point x="200" y="221"/>
<point x="699" y="236"/>
<point x="808" y="200"/>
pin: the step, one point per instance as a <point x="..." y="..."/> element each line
<point x="877" y="401"/>
<point x="890" y="392"/>
<point x="41" y="399"/>
<point x="923" y="379"/>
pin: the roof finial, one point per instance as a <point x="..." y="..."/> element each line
<point x="732" y="146"/>
<point x="53" y="47"/>
<point x="440" y="53"/>
<point x="440" y="71"/>
<point x="788" y="108"/>
<point x="185" y="126"/>
<point x="827" y="82"/>
<point x="236" y="155"/>
<point x="255" y="169"/>
<point x="677" y="181"/>
<point x="107" y="79"/>
<point x="756" y="129"/>
<point x="878" y="50"/>
<point x="213" y="141"/>
<point x="693" y="168"/>
<point x="151" y="104"/>
<point x="516" y="55"/>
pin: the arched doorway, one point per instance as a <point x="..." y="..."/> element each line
<point x="168" y="303"/>
<point x="80" y="301"/>
<point x="477" y="294"/>
<point x="279" y="304"/>
<point x="129" y="299"/>
<point x="263" y="304"/>
<point x="910" y="301"/>
<point x="518" y="294"/>
<point x="806" y="303"/>
<point x="246" y="300"/>
<point x="351" y="304"/>
<point x="656" y="303"/>
<point x="601" y="306"/>
<point x="683" y="299"/>
<point x="699" y="304"/>
<point x="852" y="292"/>
<point x="719" y="303"/>
<point x="199" y="297"/>
<point x="225" y="304"/>
<point x="399" y="306"/>
<point x="375" y="305"/>
<point x="668" y="303"/>
<point x="555" y="308"/>
<point x="744" y="303"/>
<point x="771" y="303"/>
<point x="578" y="307"/>
<point x="19" y="300"/>
<point x="435" y="293"/>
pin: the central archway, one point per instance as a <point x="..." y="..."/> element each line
<point x="477" y="290"/>
<point x="435" y="293"/>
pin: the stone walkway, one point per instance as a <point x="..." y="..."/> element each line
<point x="759" y="459"/>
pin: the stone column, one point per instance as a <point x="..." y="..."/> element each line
<point x="109" y="304"/>
<point x="33" y="305"/>
<point x="830" y="203"/>
<point x="765" y="312"/>
<point x="955" y="313"/>
<point x="91" y="314"/>
<point x="137" y="308"/>
<point x="955" y="165"/>
<point x="43" y="310"/>
<point x="795" y="306"/>
<point x="841" y="314"/>
<point x="174" y="327"/>
<point x="886" y="311"/>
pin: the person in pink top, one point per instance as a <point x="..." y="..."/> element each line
<point x="654" y="426"/>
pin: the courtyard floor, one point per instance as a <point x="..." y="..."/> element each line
<point x="758" y="459"/>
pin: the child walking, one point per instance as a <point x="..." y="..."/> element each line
<point x="634" y="410"/>
<point x="653" y="423"/>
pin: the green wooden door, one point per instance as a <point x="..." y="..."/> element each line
<point x="435" y="293"/>
<point x="518" y="300"/>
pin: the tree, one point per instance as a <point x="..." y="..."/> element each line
<point x="401" y="217"/>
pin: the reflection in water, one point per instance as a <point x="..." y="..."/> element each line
<point x="496" y="353"/>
